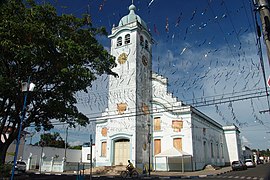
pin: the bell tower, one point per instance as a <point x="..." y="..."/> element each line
<point x="127" y="118"/>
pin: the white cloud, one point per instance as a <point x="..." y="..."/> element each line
<point x="218" y="72"/>
<point x="75" y="143"/>
<point x="245" y="141"/>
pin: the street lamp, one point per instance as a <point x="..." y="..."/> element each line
<point x="26" y="87"/>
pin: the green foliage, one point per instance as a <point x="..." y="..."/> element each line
<point x="76" y="147"/>
<point x="52" y="140"/>
<point x="265" y="152"/>
<point x="61" y="55"/>
<point x="5" y="170"/>
<point x="262" y="152"/>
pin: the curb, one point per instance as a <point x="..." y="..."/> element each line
<point x="190" y="176"/>
<point x="206" y="175"/>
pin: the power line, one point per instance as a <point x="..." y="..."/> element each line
<point x="229" y="99"/>
<point x="173" y="109"/>
<point x="212" y="100"/>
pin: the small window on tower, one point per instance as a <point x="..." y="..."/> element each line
<point x="119" y="41"/>
<point x="146" y="44"/>
<point x="127" y="39"/>
<point x="141" y="40"/>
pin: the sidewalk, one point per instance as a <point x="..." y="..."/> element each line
<point x="194" y="174"/>
<point x="161" y="174"/>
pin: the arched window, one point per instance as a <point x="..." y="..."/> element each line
<point x="104" y="131"/>
<point x="104" y="149"/>
<point x="146" y="44"/>
<point x="218" y="151"/>
<point x="157" y="146"/>
<point x="157" y="123"/>
<point x="127" y="39"/>
<point x="177" y="143"/>
<point x="204" y="131"/>
<point x="222" y="150"/>
<point x="212" y="150"/>
<point x="119" y="41"/>
<point x="141" y="40"/>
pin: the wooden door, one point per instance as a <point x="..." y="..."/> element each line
<point x="121" y="152"/>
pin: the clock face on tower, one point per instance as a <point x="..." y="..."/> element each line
<point x="122" y="58"/>
<point x="144" y="60"/>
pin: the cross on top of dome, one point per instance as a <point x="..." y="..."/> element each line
<point x="131" y="17"/>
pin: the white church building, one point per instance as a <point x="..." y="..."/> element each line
<point x="144" y="122"/>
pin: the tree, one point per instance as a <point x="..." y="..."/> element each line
<point x="78" y="147"/>
<point x="62" y="56"/>
<point x="51" y="140"/>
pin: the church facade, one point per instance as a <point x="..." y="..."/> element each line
<point x="144" y="123"/>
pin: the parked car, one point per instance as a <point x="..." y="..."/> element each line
<point x="20" y="166"/>
<point x="250" y="163"/>
<point x="238" y="165"/>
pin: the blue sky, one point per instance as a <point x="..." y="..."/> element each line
<point x="206" y="48"/>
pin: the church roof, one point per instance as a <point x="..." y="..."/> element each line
<point x="131" y="17"/>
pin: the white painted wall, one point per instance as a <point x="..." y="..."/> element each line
<point x="131" y="87"/>
<point x="72" y="154"/>
<point x="168" y="108"/>
<point x="86" y="151"/>
<point x="11" y="149"/>
<point x="166" y="134"/>
<point x="233" y="143"/>
<point x="210" y="133"/>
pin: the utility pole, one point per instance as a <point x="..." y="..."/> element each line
<point x="263" y="8"/>
<point x="149" y="147"/>
<point x="91" y="142"/>
<point x="66" y="144"/>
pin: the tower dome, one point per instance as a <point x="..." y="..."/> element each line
<point x="131" y="17"/>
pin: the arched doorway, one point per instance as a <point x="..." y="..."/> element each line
<point x="121" y="151"/>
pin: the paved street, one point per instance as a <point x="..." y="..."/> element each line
<point x="261" y="172"/>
